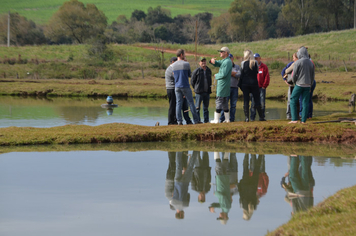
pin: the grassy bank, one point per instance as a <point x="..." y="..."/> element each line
<point x="334" y="216"/>
<point x="335" y="152"/>
<point x="340" y="87"/>
<point x="270" y="131"/>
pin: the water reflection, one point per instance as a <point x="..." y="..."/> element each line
<point x="301" y="183"/>
<point x="226" y="171"/>
<point x="182" y="178"/>
<point x="126" y="190"/>
<point x="35" y="112"/>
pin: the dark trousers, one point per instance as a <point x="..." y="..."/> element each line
<point x="255" y="91"/>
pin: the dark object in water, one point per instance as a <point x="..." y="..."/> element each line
<point x="109" y="105"/>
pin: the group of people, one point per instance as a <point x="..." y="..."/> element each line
<point x="185" y="168"/>
<point x="252" y="77"/>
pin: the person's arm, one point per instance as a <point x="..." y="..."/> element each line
<point x="215" y="63"/>
<point x="194" y="77"/>
<point x="236" y="73"/>
<point x="295" y="73"/>
<point x="223" y="72"/>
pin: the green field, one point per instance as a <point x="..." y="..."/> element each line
<point x="331" y="46"/>
<point x="41" y="11"/>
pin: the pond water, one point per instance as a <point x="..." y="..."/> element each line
<point x="105" y="192"/>
<point x="43" y="112"/>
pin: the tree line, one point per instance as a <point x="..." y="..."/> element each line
<point x="245" y="21"/>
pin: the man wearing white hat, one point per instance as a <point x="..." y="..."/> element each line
<point x="223" y="78"/>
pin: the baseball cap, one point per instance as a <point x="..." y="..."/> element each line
<point x="256" y="55"/>
<point x="202" y="58"/>
<point x="230" y="55"/>
<point x="224" y="49"/>
<point x="173" y="59"/>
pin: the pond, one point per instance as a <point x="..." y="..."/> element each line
<point x="44" y="112"/>
<point x="127" y="189"/>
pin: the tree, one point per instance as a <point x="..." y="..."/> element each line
<point x="246" y="16"/>
<point x="76" y="21"/>
<point x="138" y="15"/>
<point x="300" y="14"/>
<point x="158" y="15"/>
<point x="221" y="29"/>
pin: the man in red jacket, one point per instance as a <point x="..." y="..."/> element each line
<point x="263" y="82"/>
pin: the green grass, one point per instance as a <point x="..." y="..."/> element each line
<point x="334" y="216"/>
<point x="269" y="131"/>
<point x="41" y="11"/>
<point x="340" y="45"/>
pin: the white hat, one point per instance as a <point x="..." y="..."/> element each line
<point x="224" y="49"/>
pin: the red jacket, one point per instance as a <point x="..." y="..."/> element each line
<point x="263" y="76"/>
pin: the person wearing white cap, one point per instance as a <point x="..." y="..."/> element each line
<point x="223" y="78"/>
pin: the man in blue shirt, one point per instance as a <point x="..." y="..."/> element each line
<point x="181" y="73"/>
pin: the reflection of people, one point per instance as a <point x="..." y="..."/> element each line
<point x="222" y="179"/>
<point x="248" y="185"/>
<point x="300" y="189"/>
<point x="183" y="175"/>
<point x="202" y="176"/>
<point x="263" y="179"/>
<point x="232" y="171"/>
<point x="171" y="171"/>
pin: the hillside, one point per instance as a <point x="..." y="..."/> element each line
<point x="41" y="11"/>
<point x="324" y="47"/>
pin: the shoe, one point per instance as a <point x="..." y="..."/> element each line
<point x="180" y="123"/>
<point x="216" y="118"/>
<point x="199" y="122"/>
<point x="246" y="111"/>
<point x="227" y="117"/>
<point x="260" y="113"/>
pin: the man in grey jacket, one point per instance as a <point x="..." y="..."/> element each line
<point x="303" y="77"/>
<point x="234" y="90"/>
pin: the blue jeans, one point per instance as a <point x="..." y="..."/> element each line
<point x="263" y="104"/>
<point x="234" y="93"/>
<point x="205" y="98"/>
<point x="187" y="93"/>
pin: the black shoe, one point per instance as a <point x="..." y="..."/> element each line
<point x="199" y="122"/>
<point x="263" y="119"/>
<point x="180" y="123"/>
<point x="246" y="119"/>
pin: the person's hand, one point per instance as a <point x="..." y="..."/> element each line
<point x="285" y="81"/>
<point x="214" y="76"/>
<point x="212" y="60"/>
<point x="212" y="209"/>
<point x="233" y="73"/>
<point x="263" y="88"/>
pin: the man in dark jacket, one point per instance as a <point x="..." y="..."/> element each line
<point x="201" y="82"/>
